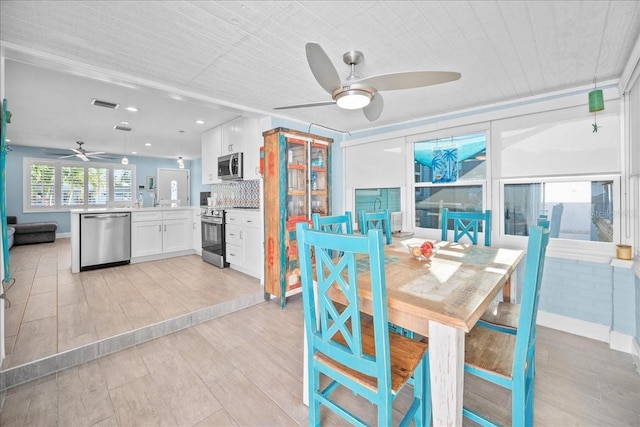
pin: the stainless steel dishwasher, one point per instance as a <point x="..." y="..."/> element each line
<point x="105" y="239"/>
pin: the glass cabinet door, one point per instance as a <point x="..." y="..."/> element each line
<point x="319" y="179"/>
<point x="297" y="172"/>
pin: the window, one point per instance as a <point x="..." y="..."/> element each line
<point x="42" y="187"/>
<point x="376" y="199"/>
<point x="72" y="186"/>
<point x="577" y="209"/>
<point x="60" y="185"/>
<point x="449" y="173"/>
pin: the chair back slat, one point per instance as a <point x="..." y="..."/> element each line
<point x="534" y="266"/>
<point x="342" y="224"/>
<point x="337" y="331"/>
<point x="376" y="221"/>
<point x="467" y="224"/>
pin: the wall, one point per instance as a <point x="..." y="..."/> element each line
<point x="551" y="131"/>
<point x="145" y="166"/>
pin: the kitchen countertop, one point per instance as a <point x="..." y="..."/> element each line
<point x="143" y="209"/>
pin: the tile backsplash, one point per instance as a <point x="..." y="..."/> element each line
<point x="237" y="194"/>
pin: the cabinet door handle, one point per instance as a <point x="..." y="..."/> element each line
<point x="165" y="228"/>
<point x="241" y="235"/>
<point x="160" y="228"/>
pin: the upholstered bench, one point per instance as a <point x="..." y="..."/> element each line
<point x="33" y="232"/>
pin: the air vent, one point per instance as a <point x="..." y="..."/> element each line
<point x="104" y="104"/>
<point x="120" y="127"/>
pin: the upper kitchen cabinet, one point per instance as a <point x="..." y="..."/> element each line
<point x="211" y="144"/>
<point x="240" y="135"/>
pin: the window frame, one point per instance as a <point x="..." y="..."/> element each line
<point x="58" y="165"/>
<point x="563" y="248"/>
<point x="484" y="183"/>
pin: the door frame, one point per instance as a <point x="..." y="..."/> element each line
<point x="188" y="171"/>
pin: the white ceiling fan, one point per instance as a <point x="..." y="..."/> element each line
<point x="82" y="154"/>
<point x="355" y="92"/>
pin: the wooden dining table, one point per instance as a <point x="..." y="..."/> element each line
<point x="441" y="298"/>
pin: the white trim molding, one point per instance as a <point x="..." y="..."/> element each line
<point x="616" y="340"/>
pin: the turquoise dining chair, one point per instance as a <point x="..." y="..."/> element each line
<point x="466" y="224"/>
<point x="353" y="350"/>
<point x="503" y="316"/>
<point x="382" y="221"/>
<point x="334" y="223"/>
<point x="376" y="220"/>
<point x="509" y="360"/>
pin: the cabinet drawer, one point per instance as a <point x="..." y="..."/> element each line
<point x="233" y="254"/>
<point x="146" y="216"/>
<point x="233" y="218"/>
<point x="179" y="214"/>
<point x="251" y="221"/>
<point x="233" y="235"/>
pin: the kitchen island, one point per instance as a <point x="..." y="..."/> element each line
<point x="156" y="233"/>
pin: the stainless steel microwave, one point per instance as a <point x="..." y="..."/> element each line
<point x="230" y="166"/>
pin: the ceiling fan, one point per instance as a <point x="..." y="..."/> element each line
<point x="355" y="92"/>
<point x="82" y="154"/>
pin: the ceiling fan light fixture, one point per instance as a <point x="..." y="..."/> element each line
<point x="353" y="99"/>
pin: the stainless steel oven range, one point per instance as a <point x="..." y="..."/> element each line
<point x="213" y="244"/>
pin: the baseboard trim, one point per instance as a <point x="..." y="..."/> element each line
<point x="616" y="340"/>
<point x="635" y="355"/>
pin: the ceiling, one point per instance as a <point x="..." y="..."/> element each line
<point x="183" y="61"/>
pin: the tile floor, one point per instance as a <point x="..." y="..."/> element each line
<point x="245" y="368"/>
<point x="53" y="311"/>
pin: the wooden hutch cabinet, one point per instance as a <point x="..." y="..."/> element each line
<point x="296" y="184"/>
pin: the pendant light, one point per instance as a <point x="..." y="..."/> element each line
<point x="124" y="160"/>
<point x="180" y="160"/>
<point x="596" y="103"/>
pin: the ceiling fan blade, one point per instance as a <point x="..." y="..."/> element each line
<point x="374" y="109"/>
<point x="75" y="150"/>
<point x="408" y="80"/>
<point x="314" y="104"/>
<point x="66" y="157"/>
<point x="83" y="157"/>
<point x="95" y="153"/>
<point x="322" y="68"/>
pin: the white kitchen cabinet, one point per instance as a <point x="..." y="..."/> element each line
<point x="244" y="237"/>
<point x="146" y="238"/>
<point x="233" y="136"/>
<point x="161" y="232"/>
<point x="211" y="146"/>
<point x="242" y="135"/>
<point x="252" y="142"/>
<point x="197" y="232"/>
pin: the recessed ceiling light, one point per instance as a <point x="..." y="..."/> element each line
<point x="131" y="108"/>
<point x="147" y="144"/>
<point x="7" y="140"/>
<point x="124" y="123"/>
<point x="134" y="152"/>
<point x="200" y="122"/>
